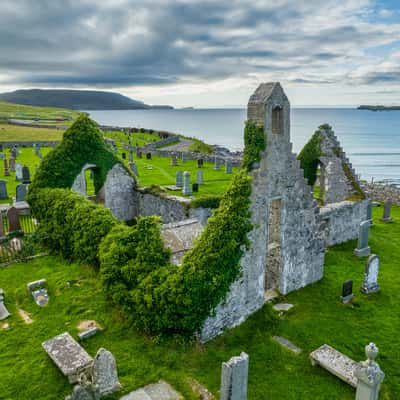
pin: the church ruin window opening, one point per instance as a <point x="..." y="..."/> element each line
<point x="277" y="120"/>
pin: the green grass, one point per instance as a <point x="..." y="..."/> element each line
<point x="27" y="157"/>
<point x="275" y="373"/>
<point x="134" y="139"/>
<point x="44" y="115"/>
<point x="17" y="133"/>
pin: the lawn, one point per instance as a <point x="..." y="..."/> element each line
<point x="17" y="133"/>
<point x="318" y="317"/>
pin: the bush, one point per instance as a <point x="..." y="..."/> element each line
<point x="254" y="144"/>
<point x="309" y="158"/>
<point x="206" y="202"/>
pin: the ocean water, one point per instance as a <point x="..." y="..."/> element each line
<point x="370" y="139"/>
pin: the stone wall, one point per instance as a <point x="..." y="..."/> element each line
<point x="382" y="193"/>
<point x="342" y="220"/>
<point x="29" y="144"/>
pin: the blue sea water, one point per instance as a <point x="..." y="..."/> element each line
<point x="370" y="139"/>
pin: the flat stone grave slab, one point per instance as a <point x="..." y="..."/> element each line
<point x="336" y="363"/>
<point x="155" y="391"/>
<point x="68" y="355"/>
<point x="287" y="343"/>
<point x="282" y="307"/>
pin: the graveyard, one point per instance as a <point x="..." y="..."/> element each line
<point x="151" y="266"/>
<point x="318" y="317"/>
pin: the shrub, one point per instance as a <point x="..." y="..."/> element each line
<point x="309" y="158"/>
<point x="254" y="144"/>
<point x="206" y="202"/>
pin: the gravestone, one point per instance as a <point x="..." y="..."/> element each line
<point x="26" y="175"/>
<point x="6" y="168"/>
<point x="2" y="233"/>
<point x="130" y="156"/>
<point x="1" y="148"/>
<point x="14" y="152"/>
<point x="18" y="172"/>
<point x="200" y="163"/>
<point x="199" y="177"/>
<point x="216" y="164"/>
<point x="369" y="212"/>
<point x="3" y="190"/>
<point x="387" y="206"/>
<point x="84" y="392"/>
<point x="148" y="156"/>
<point x="3" y="310"/>
<point x="105" y="375"/>
<point x="228" y="166"/>
<point x="183" y="158"/>
<point x="13" y="220"/>
<point x="139" y="154"/>
<point x="195" y="187"/>
<point x="174" y="160"/>
<point x="39" y="293"/>
<point x="179" y="179"/>
<point x="20" y="192"/>
<point x="123" y="156"/>
<point x="12" y="164"/>
<point x="369" y="374"/>
<point x="133" y="167"/>
<point x="234" y="378"/>
<point x="363" y="250"/>
<point x="370" y="284"/>
<point x="186" y="183"/>
<point x="347" y="291"/>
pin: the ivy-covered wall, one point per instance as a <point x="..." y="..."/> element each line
<point x="309" y="158"/>
<point x="254" y="144"/>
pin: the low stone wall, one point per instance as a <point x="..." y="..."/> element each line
<point x="382" y="193"/>
<point x="342" y="220"/>
<point x="29" y="144"/>
<point x="162" y="142"/>
<point x="169" y="208"/>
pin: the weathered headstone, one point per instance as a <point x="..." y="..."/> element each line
<point x="14" y="152"/>
<point x="234" y="378"/>
<point x="179" y="179"/>
<point x="84" y="392"/>
<point x="228" y="166"/>
<point x="387" y="207"/>
<point x="13" y="220"/>
<point x="216" y="163"/>
<point x="195" y="187"/>
<point x="123" y="156"/>
<point x="186" y="183"/>
<point x="200" y="163"/>
<point x="370" y="284"/>
<point x="3" y="310"/>
<point x="26" y="175"/>
<point x="3" y="190"/>
<point x="39" y="293"/>
<point x="148" y="156"/>
<point x="1" y="147"/>
<point x="369" y="374"/>
<point x="183" y="157"/>
<point x="2" y="233"/>
<point x="139" y="154"/>
<point x="18" y="172"/>
<point x="20" y="192"/>
<point x="369" y="212"/>
<point x="12" y="164"/>
<point x="174" y="160"/>
<point x="363" y="250"/>
<point x="199" y="177"/>
<point x="347" y="291"/>
<point x="105" y="375"/>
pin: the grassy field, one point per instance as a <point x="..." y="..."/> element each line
<point x="12" y="133"/>
<point x="134" y="139"/>
<point x="44" y="115"/>
<point x="318" y="317"/>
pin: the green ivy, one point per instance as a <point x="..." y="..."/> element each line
<point x="82" y="143"/>
<point x="206" y="202"/>
<point x="309" y="158"/>
<point x="254" y="144"/>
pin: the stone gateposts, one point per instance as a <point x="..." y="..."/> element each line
<point x="369" y="375"/>
<point x="363" y="250"/>
<point x="386" y="212"/>
<point x="370" y="284"/>
<point x="234" y="378"/>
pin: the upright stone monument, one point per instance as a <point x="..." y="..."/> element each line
<point x="234" y="378"/>
<point x="386" y="212"/>
<point x="370" y="376"/>
<point x="369" y="213"/>
<point x="20" y="192"/>
<point x="216" y="164"/>
<point x="200" y="163"/>
<point x="2" y="233"/>
<point x="186" y="184"/>
<point x="105" y="375"/>
<point x="228" y="166"/>
<point x="26" y="175"/>
<point x="199" y="177"/>
<point x="174" y="160"/>
<point x="6" y="169"/>
<point x="13" y="220"/>
<point x="148" y="156"/>
<point x="370" y="284"/>
<point x="3" y="190"/>
<point x="347" y="292"/>
<point x="179" y="179"/>
<point x="12" y="164"/>
<point x="18" y="172"/>
<point x="363" y="250"/>
<point x="183" y="157"/>
<point x="3" y="310"/>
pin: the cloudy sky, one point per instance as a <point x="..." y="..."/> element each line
<point x="205" y="53"/>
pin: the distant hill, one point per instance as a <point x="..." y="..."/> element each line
<point x="379" y="108"/>
<point x="76" y="99"/>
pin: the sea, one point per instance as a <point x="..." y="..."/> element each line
<point x="370" y="139"/>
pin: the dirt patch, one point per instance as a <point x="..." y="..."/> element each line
<point x="25" y="316"/>
<point x="87" y="324"/>
<point x="200" y="390"/>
